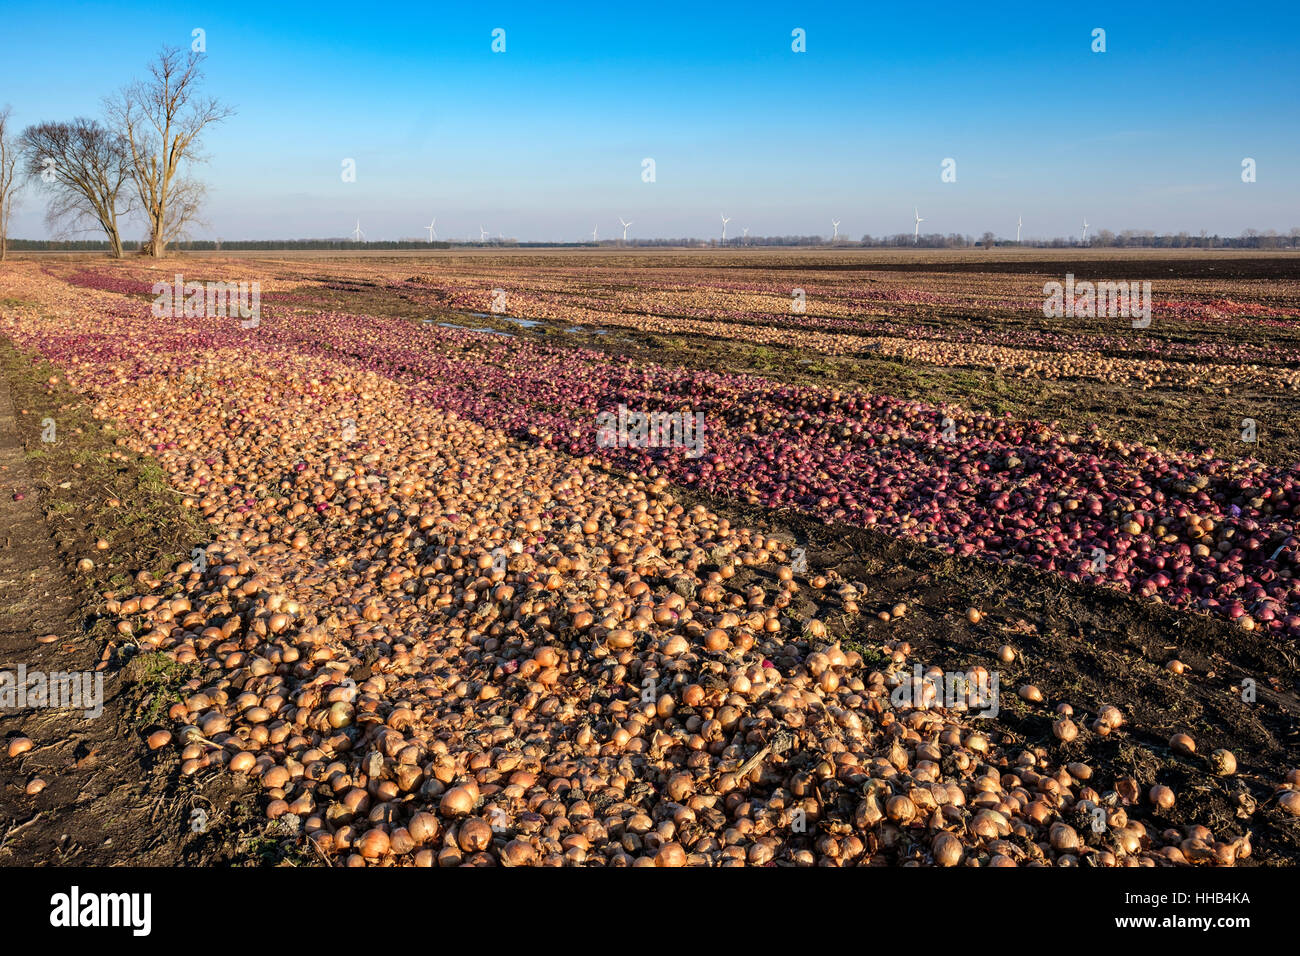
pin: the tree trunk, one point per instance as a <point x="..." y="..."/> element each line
<point x="157" y="241"/>
<point x="114" y="237"/>
<point x="157" y="226"/>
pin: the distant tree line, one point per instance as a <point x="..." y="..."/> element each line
<point x="1129" y="238"/>
<point x="1251" y="239"/>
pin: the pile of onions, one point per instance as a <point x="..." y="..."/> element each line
<point x="429" y="642"/>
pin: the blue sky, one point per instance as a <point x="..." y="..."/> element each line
<point x="547" y="139"/>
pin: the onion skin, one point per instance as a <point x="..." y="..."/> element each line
<point x="242" y="762"/>
<point x="1161" y="796"/>
<point x="374" y="843"/>
<point x="946" y="849"/>
<point x="1064" y="838"/>
<point x="423" y="827"/>
<point x="1065" y="730"/>
<point x="518" y="853"/>
<point x="458" y="801"/>
<point x="671" y="854"/>
<point x="1111" y="715"/>
<point x="474" y="835"/>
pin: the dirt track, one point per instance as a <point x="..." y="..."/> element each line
<point x="104" y="802"/>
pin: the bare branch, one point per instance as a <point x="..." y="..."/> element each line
<point x="85" y="166"/>
<point x="161" y="120"/>
<point x="9" y="183"/>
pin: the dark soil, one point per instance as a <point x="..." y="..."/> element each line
<point x="108" y="799"/>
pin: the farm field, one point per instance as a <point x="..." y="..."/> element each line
<point x="370" y="583"/>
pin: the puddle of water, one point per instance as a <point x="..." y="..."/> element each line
<point x="526" y="323"/>
<point x="469" y="328"/>
<point x="579" y="328"/>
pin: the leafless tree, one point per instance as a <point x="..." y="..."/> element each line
<point x="162" y="119"/>
<point x="85" y="165"/>
<point x="8" y="183"/>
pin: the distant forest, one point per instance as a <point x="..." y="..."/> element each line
<point x="1251" y="239"/>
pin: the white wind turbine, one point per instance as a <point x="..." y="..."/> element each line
<point x="916" y="232"/>
<point x="433" y="233"/>
<point x="624" y="225"/>
<point x="1085" y="228"/>
<point x="482" y="234"/>
<point x="725" y="220"/>
<point x="1020" y="221"/>
<point x="357" y="234"/>
<point x="745" y="235"/>
<point x="835" y="224"/>
<point x="593" y="231"/>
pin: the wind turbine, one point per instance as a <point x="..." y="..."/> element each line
<point x="482" y="234"/>
<point x="916" y="233"/>
<point x="745" y="235"/>
<point x="433" y="233"/>
<point x="357" y="234"/>
<point x="1020" y="221"/>
<point x="593" y="231"/>
<point x="1085" y="229"/>
<point x="725" y="220"/>
<point x="624" y="225"/>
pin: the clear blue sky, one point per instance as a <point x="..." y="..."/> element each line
<point x="547" y="139"/>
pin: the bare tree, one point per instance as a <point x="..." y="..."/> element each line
<point x="85" y="165"/>
<point x="8" y="183"/>
<point x="162" y="119"/>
